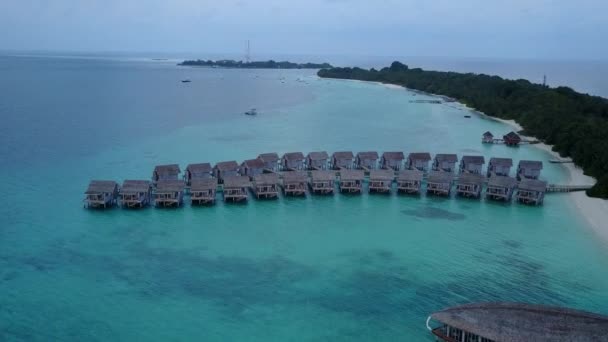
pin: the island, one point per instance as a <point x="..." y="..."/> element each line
<point x="575" y="124"/>
<point x="229" y="63"/>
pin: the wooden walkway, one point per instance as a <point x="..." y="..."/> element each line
<point x="567" y="188"/>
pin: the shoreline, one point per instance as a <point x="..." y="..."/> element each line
<point x="593" y="210"/>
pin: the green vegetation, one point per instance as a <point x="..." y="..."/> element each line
<point x="228" y="63"/>
<point x="576" y="124"/>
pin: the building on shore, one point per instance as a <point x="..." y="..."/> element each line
<point x="487" y="138"/>
<point x="392" y="160"/>
<point x="293" y="161"/>
<point x="366" y="160"/>
<point x="225" y="169"/>
<point x="252" y="167"/>
<point x="317" y="160"/>
<point x="529" y="169"/>
<point x="381" y="180"/>
<point x="418" y="161"/>
<point x="501" y="188"/>
<point x="165" y="172"/>
<point x="469" y="185"/>
<point x="202" y="191"/>
<point x="235" y="188"/>
<point x="266" y="185"/>
<point x="271" y="161"/>
<point x="197" y="171"/>
<point x="342" y="160"/>
<point x="531" y="191"/>
<point x="439" y="183"/>
<point x="101" y="194"/>
<point x="445" y="162"/>
<point x="169" y="193"/>
<point x="516" y="322"/>
<point x="322" y="181"/>
<point x="472" y="164"/>
<point x="351" y="181"/>
<point x="409" y="181"/>
<point x="135" y="193"/>
<point x="511" y="139"/>
<point x="499" y="167"/>
<point x="295" y="183"/>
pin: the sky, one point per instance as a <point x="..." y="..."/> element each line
<point x="555" y="29"/>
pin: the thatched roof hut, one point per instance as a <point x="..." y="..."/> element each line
<point x="294" y="183"/>
<point x="322" y="181"/>
<point x="165" y="172"/>
<point x="472" y="164"/>
<point x="169" y="193"/>
<point x="351" y="181"/>
<point x="418" y="161"/>
<point x="531" y="191"/>
<point x="409" y="181"/>
<point x="511" y="139"/>
<point x="271" y="161"/>
<point x="500" y="188"/>
<point x="439" y="183"/>
<point x="266" y="185"/>
<point x="252" y="167"/>
<point x="469" y="185"/>
<point x="101" y="194"/>
<point x="518" y="322"/>
<point x="499" y="166"/>
<point x="225" y="169"/>
<point x="392" y="160"/>
<point x="235" y="188"/>
<point x="317" y="160"/>
<point x="342" y="160"/>
<point x="197" y="171"/>
<point x="445" y="162"/>
<point x="366" y="160"/>
<point x="529" y="169"/>
<point x="202" y="190"/>
<point x="135" y="193"/>
<point x="293" y="161"/>
<point x="381" y="180"/>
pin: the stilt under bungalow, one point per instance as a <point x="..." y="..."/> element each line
<point x="501" y="188"/>
<point x="439" y="183"/>
<point x="351" y="181"/>
<point x="235" y="188"/>
<point x="169" y="193"/>
<point x="469" y="185"/>
<point x="322" y="181"/>
<point x="294" y="183"/>
<point x="409" y="181"/>
<point x="136" y="193"/>
<point x="202" y="191"/>
<point x="381" y="180"/>
<point x="101" y="194"/>
<point x="266" y="185"/>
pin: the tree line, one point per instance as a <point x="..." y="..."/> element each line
<point x="229" y="63"/>
<point x="576" y="124"/>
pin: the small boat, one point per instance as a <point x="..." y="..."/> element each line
<point x="467" y="116"/>
<point x="252" y="112"/>
<point x="186" y="81"/>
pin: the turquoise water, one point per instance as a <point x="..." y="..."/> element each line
<point x="316" y="268"/>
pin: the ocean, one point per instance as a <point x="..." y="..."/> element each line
<point x="316" y="268"/>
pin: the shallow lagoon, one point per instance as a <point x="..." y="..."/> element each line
<point x="340" y="267"/>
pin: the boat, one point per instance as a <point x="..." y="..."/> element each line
<point x="186" y="81"/>
<point x="467" y="116"/>
<point x="252" y="112"/>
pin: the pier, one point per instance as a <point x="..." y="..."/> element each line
<point x="344" y="172"/>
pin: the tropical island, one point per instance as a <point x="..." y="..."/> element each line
<point x="575" y="124"/>
<point x="229" y="63"/>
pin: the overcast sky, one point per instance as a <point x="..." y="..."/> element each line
<point x="557" y="29"/>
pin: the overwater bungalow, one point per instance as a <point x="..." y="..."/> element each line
<point x="531" y="191"/>
<point x="381" y="180"/>
<point x="295" y="183"/>
<point x="511" y="139"/>
<point x="499" y="167"/>
<point x="135" y="193"/>
<point x="271" y="161"/>
<point x="351" y="181"/>
<point x="342" y="160"/>
<point x="235" y="188"/>
<point x="529" y="169"/>
<point x="501" y="188"/>
<point x="169" y="193"/>
<point x="445" y="162"/>
<point x="418" y="161"/>
<point x="197" y="171"/>
<point x="317" y="160"/>
<point x="469" y="185"/>
<point x="165" y="172"/>
<point x="439" y="183"/>
<point x="487" y="138"/>
<point x="293" y="161"/>
<point x="252" y="167"/>
<point x="409" y="181"/>
<point x="516" y="322"/>
<point x="322" y="181"/>
<point x="392" y="160"/>
<point x="202" y="191"/>
<point x="366" y="160"/>
<point x="101" y="194"/>
<point x="225" y="169"/>
<point x="266" y="185"/>
<point x="472" y="164"/>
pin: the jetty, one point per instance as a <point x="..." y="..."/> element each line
<point x="319" y="174"/>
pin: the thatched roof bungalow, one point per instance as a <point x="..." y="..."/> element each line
<point x="351" y="181"/>
<point x="531" y="191"/>
<point x="271" y="161"/>
<point x="266" y="185"/>
<point x="487" y="138"/>
<point x="409" y="181"/>
<point x="317" y="160"/>
<point x="202" y="191"/>
<point x="169" y="193"/>
<point x="392" y="160"/>
<point x="366" y="160"/>
<point x="225" y="169"/>
<point x="439" y="183"/>
<point x="501" y="188"/>
<point x="499" y="167"/>
<point x="418" y="161"/>
<point x="472" y="164"/>
<point x="294" y="183"/>
<point x="511" y="139"/>
<point x="135" y="193"/>
<point x="529" y="169"/>
<point x="322" y="181"/>
<point x="293" y="161"/>
<point x="445" y="162"/>
<point x="469" y="185"/>
<point x="235" y="188"/>
<point x="101" y="194"/>
<point x="342" y="160"/>
<point x="197" y="171"/>
<point x="381" y="180"/>
<point x="252" y="167"/>
<point x="165" y="172"/>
